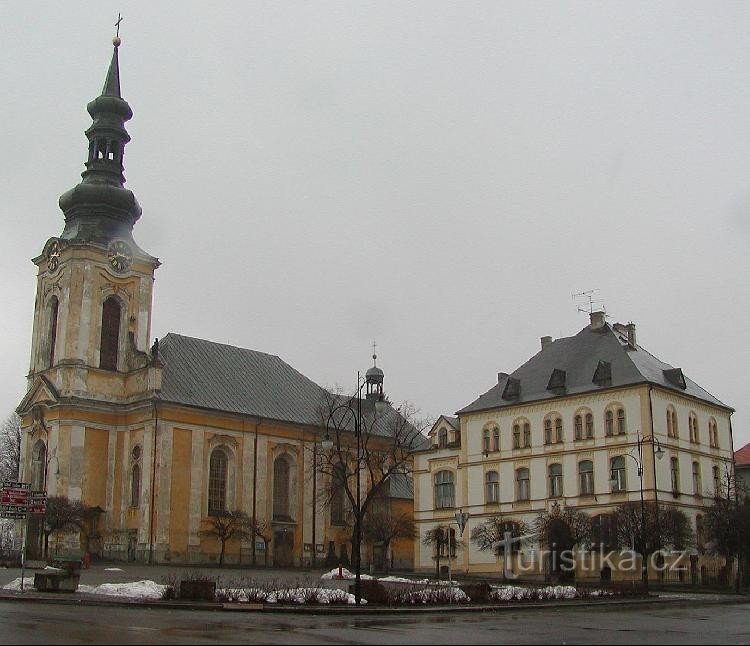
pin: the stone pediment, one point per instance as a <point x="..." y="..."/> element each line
<point x="42" y="392"/>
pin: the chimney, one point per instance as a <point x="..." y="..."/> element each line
<point x="546" y="340"/>
<point x="598" y="320"/>
<point x="631" y="334"/>
<point x="501" y="376"/>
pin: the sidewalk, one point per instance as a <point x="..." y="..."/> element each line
<point x="130" y="572"/>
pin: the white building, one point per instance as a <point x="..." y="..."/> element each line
<point x="558" y="430"/>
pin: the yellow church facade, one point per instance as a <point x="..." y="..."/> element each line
<point x="155" y="439"/>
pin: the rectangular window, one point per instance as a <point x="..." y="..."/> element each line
<point x="578" y="427"/>
<point x="589" y="426"/>
<point x="526" y="436"/>
<point x="675" y="474"/>
<point x="548" y="431"/>
<point x="586" y="478"/>
<point x="697" y="486"/>
<point x="522" y="484"/>
<point x="516" y="436"/>
<point x="555" y="481"/>
<point x="618" y="474"/>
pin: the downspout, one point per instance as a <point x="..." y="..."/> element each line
<point x="153" y="488"/>
<point x="314" y="495"/>
<point x="653" y="443"/>
<point x="739" y="573"/>
<point x="255" y="485"/>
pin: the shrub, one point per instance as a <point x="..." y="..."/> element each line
<point x="373" y="591"/>
<point x="477" y="592"/>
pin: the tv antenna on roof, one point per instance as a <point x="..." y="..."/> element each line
<point x="592" y="302"/>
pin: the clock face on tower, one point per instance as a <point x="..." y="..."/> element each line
<point x="53" y="256"/>
<point x="119" y="255"/>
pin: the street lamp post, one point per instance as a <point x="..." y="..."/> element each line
<point x="659" y="453"/>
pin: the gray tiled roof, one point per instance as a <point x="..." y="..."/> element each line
<point x="227" y="378"/>
<point x="400" y="485"/>
<point x="579" y="356"/>
<point x="224" y="377"/>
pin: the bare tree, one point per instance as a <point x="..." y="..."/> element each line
<point x="651" y="527"/>
<point x="727" y="525"/>
<point x="489" y="534"/>
<point x="560" y="530"/>
<point x="563" y="528"/>
<point x="262" y="529"/>
<point x="444" y="543"/>
<point x="371" y="441"/>
<point x="383" y="527"/>
<point x="10" y="448"/>
<point x="226" y="526"/>
<point x="62" y="515"/>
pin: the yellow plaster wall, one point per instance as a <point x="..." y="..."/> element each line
<point x="180" y="493"/>
<point x="94" y="477"/>
<point x="117" y="485"/>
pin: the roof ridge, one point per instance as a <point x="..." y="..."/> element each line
<point x="226" y="345"/>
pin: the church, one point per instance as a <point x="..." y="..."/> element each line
<point x="155" y="438"/>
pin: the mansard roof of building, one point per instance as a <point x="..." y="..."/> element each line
<point x="581" y="357"/>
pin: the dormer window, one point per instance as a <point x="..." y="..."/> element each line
<point x="442" y="438"/>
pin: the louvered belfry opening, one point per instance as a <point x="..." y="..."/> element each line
<point x="110" y="342"/>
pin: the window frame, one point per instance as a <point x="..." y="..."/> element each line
<point x="444" y="492"/>
<point x="492" y="487"/>
<point x="555" y="480"/>
<point x="618" y="472"/>
<point x="523" y="484"/>
<point x="218" y="481"/>
<point x="586" y="479"/>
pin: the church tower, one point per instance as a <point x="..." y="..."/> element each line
<point x="91" y="372"/>
<point x="92" y="315"/>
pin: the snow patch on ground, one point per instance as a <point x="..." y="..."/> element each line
<point x="400" y="579"/>
<point x="288" y="595"/>
<point x="345" y="574"/>
<point x="144" y="589"/>
<point x="112" y="569"/>
<point x="28" y="583"/>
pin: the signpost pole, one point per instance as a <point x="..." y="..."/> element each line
<point x="23" y="548"/>
<point x="16" y="502"/>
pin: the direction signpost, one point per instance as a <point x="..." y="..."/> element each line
<point x="18" y="501"/>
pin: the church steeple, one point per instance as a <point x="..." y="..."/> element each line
<point x="100" y="208"/>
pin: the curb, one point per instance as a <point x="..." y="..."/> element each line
<point x="95" y="600"/>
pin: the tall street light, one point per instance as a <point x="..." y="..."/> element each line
<point x="614" y="482"/>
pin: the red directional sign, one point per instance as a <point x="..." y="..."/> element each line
<point x="14" y="496"/>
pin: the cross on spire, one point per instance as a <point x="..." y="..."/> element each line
<point x="374" y="346"/>
<point x="117" y="24"/>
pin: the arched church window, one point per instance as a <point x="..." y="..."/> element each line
<point x="217" y="482"/>
<point x="281" y="488"/>
<point x="135" y="486"/>
<point x="110" y="342"/>
<point x="54" y="305"/>
<point x="38" y="466"/>
<point x="135" y="477"/>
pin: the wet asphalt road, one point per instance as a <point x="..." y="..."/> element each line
<point x="689" y="622"/>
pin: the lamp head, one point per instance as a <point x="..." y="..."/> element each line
<point x="659" y="452"/>
<point x="327" y="443"/>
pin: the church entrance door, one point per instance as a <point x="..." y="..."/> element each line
<point x="283" y="548"/>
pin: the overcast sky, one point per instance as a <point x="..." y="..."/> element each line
<point x="438" y="177"/>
